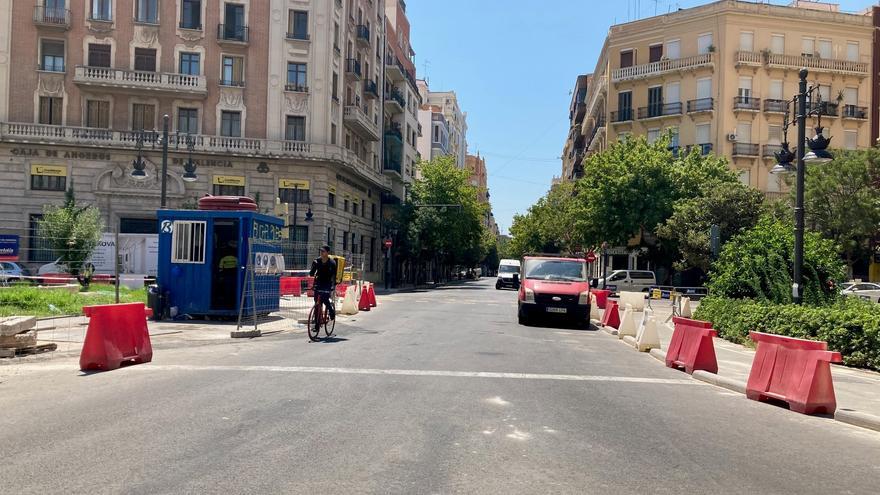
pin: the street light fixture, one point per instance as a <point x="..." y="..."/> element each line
<point x="139" y="165"/>
<point x="189" y="168"/>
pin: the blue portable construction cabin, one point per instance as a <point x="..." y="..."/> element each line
<point x="203" y="260"/>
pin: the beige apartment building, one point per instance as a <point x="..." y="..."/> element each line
<point x="279" y="100"/>
<point x="718" y="77"/>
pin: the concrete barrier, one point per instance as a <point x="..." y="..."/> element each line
<point x="594" y="308"/>
<point x="686" y="308"/>
<point x="634" y="299"/>
<point x="627" y="323"/>
<point x="648" y="337"/>
<point x="349" y="302"/>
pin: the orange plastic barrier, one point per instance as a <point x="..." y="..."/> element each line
<point x="796" y="371"/>
<point x="291" y="286"/>
<point x="117" y="334"/>
<point x="611" y="317"/>
<point x="340" y="290"/>
<point x="601" y="297"/>
<point x="691" y="346"/>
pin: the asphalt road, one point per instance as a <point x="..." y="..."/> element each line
<point x="434" y="392"/>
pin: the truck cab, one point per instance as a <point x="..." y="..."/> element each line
<point x="554" y="287"/>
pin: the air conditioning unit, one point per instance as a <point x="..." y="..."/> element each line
<point x="731" y="137"/>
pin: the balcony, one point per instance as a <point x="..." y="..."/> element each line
<point x="825" y="108"/>
<point x="816" y="64"/>
<point x="770" y="150"/>
<point x="596" y="135"/>
<point x="52" y="17"/>
<point x="232" y="33"/>
<point x="775" y="106"/>
<point x="751" y="59"/>
<point x="746" y="104"/>
<point x="360" y="123"/>
<point x="620" y="116"/>
<point x="353" y="69"/>
<point x="221" y="147"/>
<point x="659" y="110"/>
<point x="362" y="35"/>
<point x="299" y="37"/>
<point x="394" y="102"/>
<point x="393" y="70"/>
<point x="655" y="69"/>
<point x="296" y="88"/>
<point x="393" y="159"/>
<point x="705" y="148"/>
<point x="855" y="112"/>
<point x="137" y="81"/>
<point x="701" y="105"/>
<point x="371" y="89"/>
<point x="747" y="150"/>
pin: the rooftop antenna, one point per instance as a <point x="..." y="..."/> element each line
<point x="425" y="65"/>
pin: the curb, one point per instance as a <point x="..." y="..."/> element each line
<point x="659" y="355"/>
<point x="630" y="341"/>
<point x="855" y="418"/>
<point x="720" y="381"/>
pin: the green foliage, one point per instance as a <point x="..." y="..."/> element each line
<point x="849" y="326"/>
<point x="546" y="228"/>
<point x="730" y="205"/>
<point x="758" y="264"/>
<point x="32" y="301"/>
<point x="73" y="233"/>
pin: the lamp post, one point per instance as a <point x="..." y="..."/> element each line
<point x="308" y="218"/>
<point x="139" y="165"/>
<point x="818" y="154"/>
<point x="604" y="265"/>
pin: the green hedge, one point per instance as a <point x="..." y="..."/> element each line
<point x="850" y="326"/>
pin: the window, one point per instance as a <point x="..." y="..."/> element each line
<point x="51" y="110"/>
<point x="99" y="55"/>
<point x="40" y="249"/>
<point x="331" y="238"/>
<point x="850" y="139"/>
<point x="655" y="101"/>
<point x="143" y="117"/>
<point x="296" y="77"/>
<point x="354" y="207"/>
<point x="233" y="71"/>
<point x="653" y="134"/>
<point x="345" y="241"/>
<point x="145" y="59"/>
<point x="673" y="49"/>
<point x="234" y="29"/>
<point x="190" y="63"/>
<point x="655" y="53"/>
<point x="808" y="47"/>
<point x="744" y="132"/>
<point x="704" y="43"/>
<point x="333" y="133"/>
<point x="363" y="208"/>
<point x="702" y="133"/>
<point x="331" y="199"/>
<point x="747" y="41"/>
<point x="296" y="128"/>
<point x="147" y="11"/>
<point x="745" y="177"/>
<point x="436" y="137"/>
<point x="230" y="123"/>
<point x="372" y="211"/>
<point x="776" y="91"/>
<point x="624" y="105"/>
<point x="298" y="25"/>
<point x="673" y="93"/>
<point x="745" y="89"/>
<point x="336" y="36"/>
<point x="824" y="92"/>
<point x="293" y="195"/>
<point x="188" y="120"/>
<point x="704" y="88"/>
<point x="774" y="134"/>
<point x="777" y="44"/>
<point x="101" y="10"/>
<point x="52" y="56"/>
<point x="626" y="58"/>
<point x="98" y="114"/>
<point x="191" y="14"/>
<point x="673" y="138"/>
<point x="335" y="88"/>
<point x="188" y="242"/>
<point x="48" y="178"/>
<point x="852" y="51"/>
<point x="825" y="50"/>
<point x="229" y="185"/>
<point x="345" y="205"/>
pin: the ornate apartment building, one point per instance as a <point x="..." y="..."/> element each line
<point x="718" y="77"/>
<point x="280" y="100"/>
<point x="448" y="125"/>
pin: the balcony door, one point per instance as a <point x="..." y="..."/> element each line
<point x="624" y="105"/>
<point x="704" y="88"/>
<point x="673" y="49"/>
<point x="744" y="132"/>
<point x="655" y="101"/>
<point x="745" y="90"/>
<point x="234" y="28"/>
<point x="673" y="94"/>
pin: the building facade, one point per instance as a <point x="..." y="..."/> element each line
<point x="476" y="165"/>
<point x="573" y="151"/>
<point x="451" y="137"/>
<point x="277" y="100"/>
<point x="718" y="77"/>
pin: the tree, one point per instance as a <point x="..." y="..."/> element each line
<point x="73" y="233"/>
<point x="732" y="206"/>
<point x="758" y="264"/>
<point x="842" y="200"/>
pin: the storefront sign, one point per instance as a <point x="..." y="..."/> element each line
<point x="9" y="247"/>
<point x="49" y="170"/>
<point x="76" y="155"/>
<point x="293" y="184"/>
<point x="204" y="163"/>
<point x="229" y="180"/>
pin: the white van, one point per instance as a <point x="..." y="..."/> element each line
<point x="629" y="281"/>
<point x="506" y="271"/>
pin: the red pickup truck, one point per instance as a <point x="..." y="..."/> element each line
<point x="554" y="287"/>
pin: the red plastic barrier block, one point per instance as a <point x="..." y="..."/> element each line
<point x="117" y="333"/>
<point x="611" y="317"/>
<point x="340" y="290"/>
<point x="796" y="371"/>
<point x="364" y="301"/>
<point x="290" y="286"/>
<point x="691" y="346"/>
<point x="601" y="297"/>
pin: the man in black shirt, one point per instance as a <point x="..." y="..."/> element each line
<point x="324" y="271"/>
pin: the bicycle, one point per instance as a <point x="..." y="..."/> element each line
<point x="319" y="316"/>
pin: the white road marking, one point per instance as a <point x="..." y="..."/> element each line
<point x="497" y="401"/>
<point x="519" y="435"/>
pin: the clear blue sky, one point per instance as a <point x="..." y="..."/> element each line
<point x="513" y="64"/>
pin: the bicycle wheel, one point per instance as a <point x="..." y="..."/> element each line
<point x="313" y="325"/>
<point x="329" y="325"/>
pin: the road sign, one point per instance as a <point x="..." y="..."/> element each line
<point x="388" y="243"/>
<point x="591" y="257"/>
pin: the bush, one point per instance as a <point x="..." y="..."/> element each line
<point x="849" y="326"/>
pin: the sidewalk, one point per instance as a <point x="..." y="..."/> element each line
<point x="857" y="391"/>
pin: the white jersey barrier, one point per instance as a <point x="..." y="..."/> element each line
<point x="634" y="299"/>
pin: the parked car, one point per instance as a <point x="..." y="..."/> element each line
<point x="863" y="290"/>
<point x="508" y="274"/>
<point x="554" y="287"/>
<point x="629" y="281"/>
<point x="11" y="272"/>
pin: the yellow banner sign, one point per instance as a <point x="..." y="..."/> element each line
<point x="293" y="184"/>
<point x="229" y="180"/>
<point x="50" y="170"/>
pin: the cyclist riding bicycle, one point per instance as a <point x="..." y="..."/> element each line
<point x="324" y="271"/>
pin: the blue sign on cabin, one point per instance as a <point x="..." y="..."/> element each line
<point x="203" y="260"/>
<point x="9" y="245"/>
